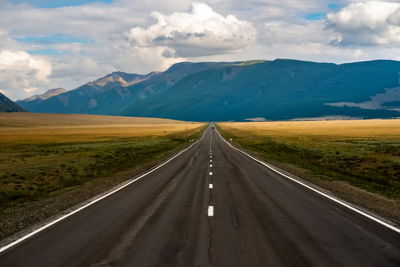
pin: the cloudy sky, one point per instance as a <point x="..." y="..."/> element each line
<point x="46" y="43"/>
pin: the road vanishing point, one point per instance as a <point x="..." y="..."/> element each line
<point x="210" y="205"/>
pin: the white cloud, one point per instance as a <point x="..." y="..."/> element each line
<point x="127" y="36"/>
<point x="72" y="71"/>
<point x="280" y="32"/>
<point x="146" y="58"/>
<point x="367" y="23"/>
<point x="95" y="20"/>
<point x="79" y="66"/>
<point x="21" y="74"/>
<point x="199" y="32"/>
<point x="395" y="17"/>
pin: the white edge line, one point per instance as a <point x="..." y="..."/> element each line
<point x="339" y="201"/>
<point x="210" y="186"/>
<point x="12" y="244"/>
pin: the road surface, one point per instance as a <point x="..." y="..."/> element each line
<point x="211" y="206"/>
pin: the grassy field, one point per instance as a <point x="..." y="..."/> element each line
<point x="45" y="155"/>
<point x="364" y="153"/>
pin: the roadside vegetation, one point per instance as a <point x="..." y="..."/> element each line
<point x="364" y="154"/>
<point x="44" y="156"/>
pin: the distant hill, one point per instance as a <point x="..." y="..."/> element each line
<point x="112" y="93"/>
<point x="86" y="98"/>
<point x="277" y="90"/>
<point x="282" y="89"/>
<point x="6" y="105"/>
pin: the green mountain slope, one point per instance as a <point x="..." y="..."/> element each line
<point x="275" y="90"/>
<point x="89" y="98"/>
<point x="6" y="105"/>
<point x="114" y="92"/>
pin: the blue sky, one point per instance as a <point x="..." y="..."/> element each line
<point x="47" y="52"/>
<point x="315" y="16"/>
<point x="53" y="38"/>
<point x="46" y="44"/>
<point x="57" y="3"/>
<point x="334" y="6"/>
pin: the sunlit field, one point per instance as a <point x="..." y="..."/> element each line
<point x="59" y="128"/>
<point x="45" y="155"/>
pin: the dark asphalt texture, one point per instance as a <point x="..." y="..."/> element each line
<point x="260" y="219"/>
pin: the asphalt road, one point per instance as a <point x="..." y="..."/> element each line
<point x="211" y="206"/>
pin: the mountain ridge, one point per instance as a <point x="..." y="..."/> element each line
<point x="280" y="89"/>
<point x="46" y="95"/>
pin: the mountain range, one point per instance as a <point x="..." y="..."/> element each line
<point x="281" y="89"/>
<point x="7" y="105"/>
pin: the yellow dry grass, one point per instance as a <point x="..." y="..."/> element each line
<point x="53" y="128"/>
<point x="342" y="128"/>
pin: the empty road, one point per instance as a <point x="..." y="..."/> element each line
<point x="211" y="206"/>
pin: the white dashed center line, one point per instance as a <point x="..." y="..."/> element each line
<point x="210" y="211"/>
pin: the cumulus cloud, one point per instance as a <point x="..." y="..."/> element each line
<point x="153" y="58"/>
<point x="367" y="23"/>
<point x="124" y="35"/>
<point x="277" y="32"/>
<point x="79" y="66"/>
<point x="71" y="71"/>
<point x="95" y="20"/>
<point x="200" y="32"/>
<point x="21" y="74"/>
<point x="395" y="17"/>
